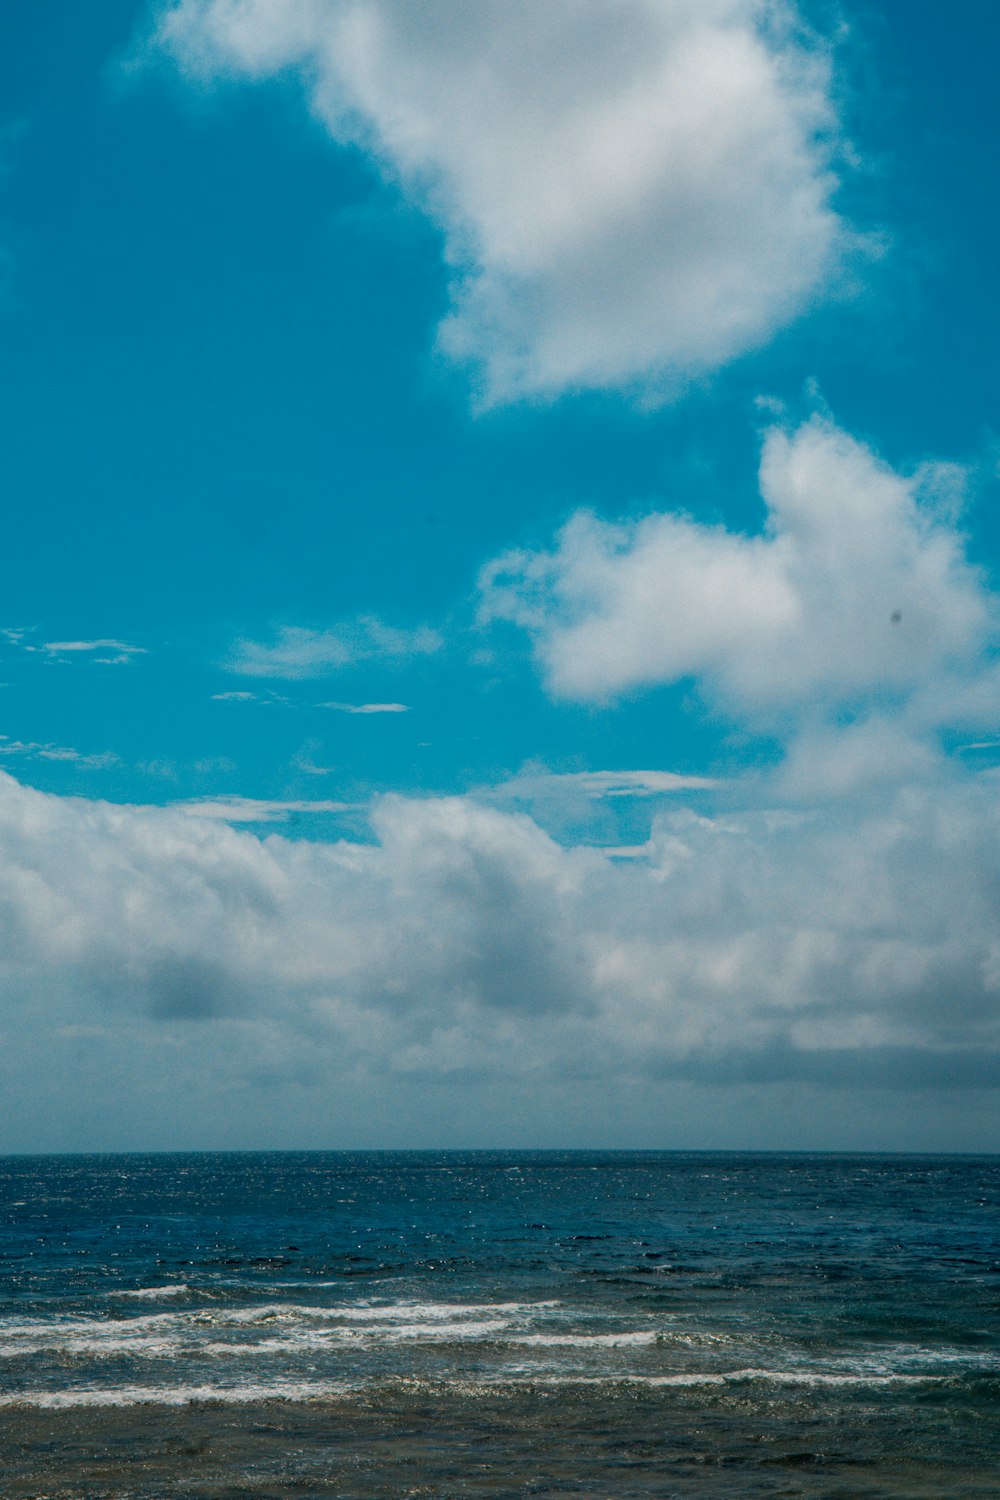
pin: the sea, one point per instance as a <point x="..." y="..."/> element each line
<point x="437" y="1324"/>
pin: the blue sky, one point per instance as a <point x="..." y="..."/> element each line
<point x="430" y="719"/>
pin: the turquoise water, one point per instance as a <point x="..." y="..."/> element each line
<point x="500" y="1323"/>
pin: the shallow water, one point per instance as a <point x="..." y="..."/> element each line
<point x="490" y="1323"/>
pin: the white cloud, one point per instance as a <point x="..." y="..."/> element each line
<point x="231" y="809"/>
<point x="854" y="945"/>
<point x="856" y="593"/>
<point x="121" y="651"/>
<point x="368" y="708"/>
<point x="599" y="784"/>
<point x="631" y="191"/>
<point x="104" y="651"/>
<point x="304" y="760"/>
<point x="36" y="750"/>
<point x="267" y="697"/>
<point x="297" y="652"/>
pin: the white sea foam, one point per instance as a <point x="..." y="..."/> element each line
<point x="314" y="1390"/>
<point x="828" y="1377"/>
<point x="146" y="1346"/>
<point x="300" y="1343"/>
<point x="151" y="1293"/>
<point x="148" y="1395"/>
<point x="83" y="1335"/>
<point x="261" y="1312"/>
<point x="41" y="1327"/>
<point x="586" y="1340"/>
<point x="895" y="1354"/>
<point x="412" y="1313"/>
<point x="167" y="1333"/>
<point x="328" y="1338"/>
<point x="423" y="1311"/>
<point x="437" y="1332"/>
<point x="737" y="1377"/>
<point x="693" y="1377"/>
<point x="554" y="1344"/>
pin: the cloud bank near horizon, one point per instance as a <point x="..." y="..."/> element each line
<point x="630" y="193"/>
<point x="850" y="946"/>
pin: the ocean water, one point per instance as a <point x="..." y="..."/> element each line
<point x="531" y="1323"/>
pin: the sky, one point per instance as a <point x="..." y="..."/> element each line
<point x="499" y="604"/>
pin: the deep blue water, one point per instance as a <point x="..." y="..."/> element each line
<point x="747" y="1299"/>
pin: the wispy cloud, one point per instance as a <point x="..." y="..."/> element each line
<point x="298" y="652"/>
<point x="367" y="708"/>
<point x="304" y="760"/>
<point x="599" y="784"/>
<point x="105" y="653"/>
<point x="625" y="851"/>
<point x="254" y="810"/>
<point x="266" y="697"/>
<point x="36" y="750"/>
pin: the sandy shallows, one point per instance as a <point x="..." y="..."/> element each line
<point x="432" y="1443"/>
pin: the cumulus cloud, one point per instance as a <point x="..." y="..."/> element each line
<point x="854" y="946"/>
<point x="630" y="192"/>
<point x="857" y="592"/>
<point x="296" y="652"/>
